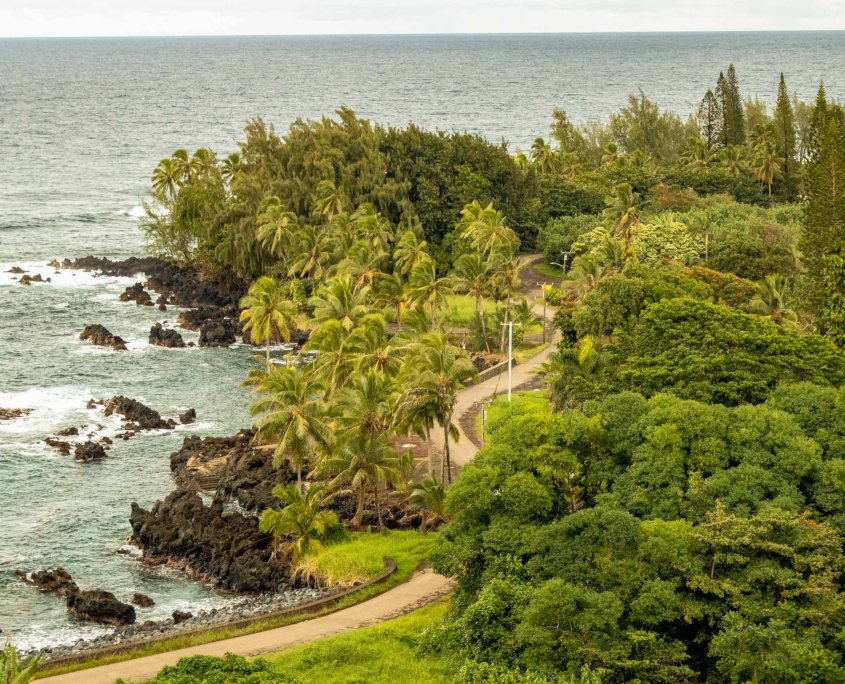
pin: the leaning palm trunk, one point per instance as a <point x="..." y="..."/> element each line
<point x="378" y="507"/>
<point x="359" y="512"/>
<point x="479" y="307"/>
<point x="446" y="465"/>
<point x="428" y="450"/>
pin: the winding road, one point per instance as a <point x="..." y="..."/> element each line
<point x="422" y="588"/>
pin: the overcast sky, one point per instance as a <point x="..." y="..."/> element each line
<point x="284" y="17"/>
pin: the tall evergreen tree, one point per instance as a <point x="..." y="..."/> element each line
<point x="818" y="126"/>
<point x="734" y="114"/>
<point x="785" y="128"/>
<point x="709" y="119"/>
<point x="824" y="215"/>
<point x="722" y="98"/>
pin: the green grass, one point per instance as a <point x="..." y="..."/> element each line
<point x="406" y="554"/>
<point x="460" y="309"/>
<point x="526" y="352"/>
<point x="549" y="271"/>
<point x="382" y="654"/>
<point x="533" y="402"/>
<point x="360" y="558"/>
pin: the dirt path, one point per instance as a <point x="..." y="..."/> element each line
<point x="421" y="589"/>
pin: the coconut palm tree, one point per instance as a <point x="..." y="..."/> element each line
<point x="487" y="229"/>
<point x="301" y="519"/>
<point x="542" y="156"/>
<point x="328" y="200"/>
<point x="622" y="212"/>
<point x="374" y="349"/>
<point x="409" y="251"/>
<point x="772" y="300"/>
<point x="371" y="227"/>
<point x="733" y="157"/>
<point x="429" y="498"/>
<point x="266" y="313"/>
<point x="583" y="360"/>
<point x="391" y="295"/>
<point x="610" y="155"/>
<point x="275" y="227"/>
<point x="182" y="162"/>
<point x="698" y="154"/>
<point x="166" y="180"/>
<point x="313" y="253"/>
<point x="426" y="289"/>
<point x="364" y="462"/>
<point x="335" y="358"/>
<point x="472" y="275"/>
<point x="364" y="263"/>
<point x="439" y="373"/>
<point x="341" y="301"/>
<point x="364" y="406"/>
<point x="769" y="164"/>
<point x="291" y="414"/>
<point x="231" y="167"/>
<point x="586" y="272"/>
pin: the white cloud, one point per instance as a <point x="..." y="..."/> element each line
<point x="280" y="17"/>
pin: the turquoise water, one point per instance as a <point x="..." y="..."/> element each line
<point x="83" y="122"/>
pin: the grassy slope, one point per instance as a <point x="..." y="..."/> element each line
<point x="382" y="654"/>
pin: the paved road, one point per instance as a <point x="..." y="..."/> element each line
<point x="422" y="588"/>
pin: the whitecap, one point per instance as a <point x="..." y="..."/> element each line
<point x="135" y="212"/>
<point x="66" y="277"/>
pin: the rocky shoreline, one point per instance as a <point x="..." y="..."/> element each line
<point x="142" y="631"/>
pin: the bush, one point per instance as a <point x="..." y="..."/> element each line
<point x="230" y="669"/>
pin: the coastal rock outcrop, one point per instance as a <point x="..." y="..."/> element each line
<point x="136" y="293"/>
<point x="61" y="445"/>
<point x="56" y="581"/>
<point x="181" y="616"/>
<point x="165" y="337"/>
<point x="137" y="415"/>
<point x="188" y="417"/>
<point x="17" y="270"/>
<point x="28" y="279"/>
<point x="226" y="548"/>
<point x="100" y="335"/>
<point x="221" y="332"/>
<point x="100" y="606"/>
<point x="232" y="467"/>
<point x="89" y="451"/>
<point x="142" y="601"/>
<point x="12" y="414"/>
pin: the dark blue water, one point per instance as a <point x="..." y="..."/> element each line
<point x="82" y="124"/>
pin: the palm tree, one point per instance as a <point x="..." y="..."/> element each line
<point x="183" y="166"/>
<point x="587" y="272"/>
<point x="733" y="157"/>
<point x="409" y="252"/>
<point x="583" y="360"/>
<point x="374" y="349"/>
<point x="275" y="227"/>
<point x="266" y="313"/>
<point x="472" y="276"/>
<point x="301" y="518"/>
<point x="772" y="300"/>
<point x="166" y="180"/>
<point x="335" y="359"/>
<point x="313" y="253"/>
<point x="391" y="295"/>
<point x="769" y="164"/>
<point x="520" y="159"/>
<point x="291" y="413"/>
<point x="364" y="263"/>
<point x="438" y="376"/>
<point x="543" y="156"/>
<point x="429" y="498"/>
<point x="328" y="200"/>
<point x="371" y="227"/>
<point x="623" y="213"/>
<point x="487" y="229"/>
<point x="364" y="407"/>
<point x="610" y="155"/>
<point x="339" y="300"/>
<point x="426" y="289"/>
<point x="363" y="462"/>
<point x="698" y="154"/>
<point x="231" y="167"/>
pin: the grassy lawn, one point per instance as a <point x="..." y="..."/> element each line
<point x="460" y="309"/>
<point x="407" y="548"/>
<point x="553" y="272"/>
<point x="382" y="654"/>
<point x="360" y="558"/>
<point x="525" y="352"/>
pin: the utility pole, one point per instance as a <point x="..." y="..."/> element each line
<point x="510" y="325"/>
<point x="545" y="289"/>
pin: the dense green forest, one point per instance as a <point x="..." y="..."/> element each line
<point x="673" y="508"/>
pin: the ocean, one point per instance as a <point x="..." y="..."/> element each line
<point x="82" y="124"/>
